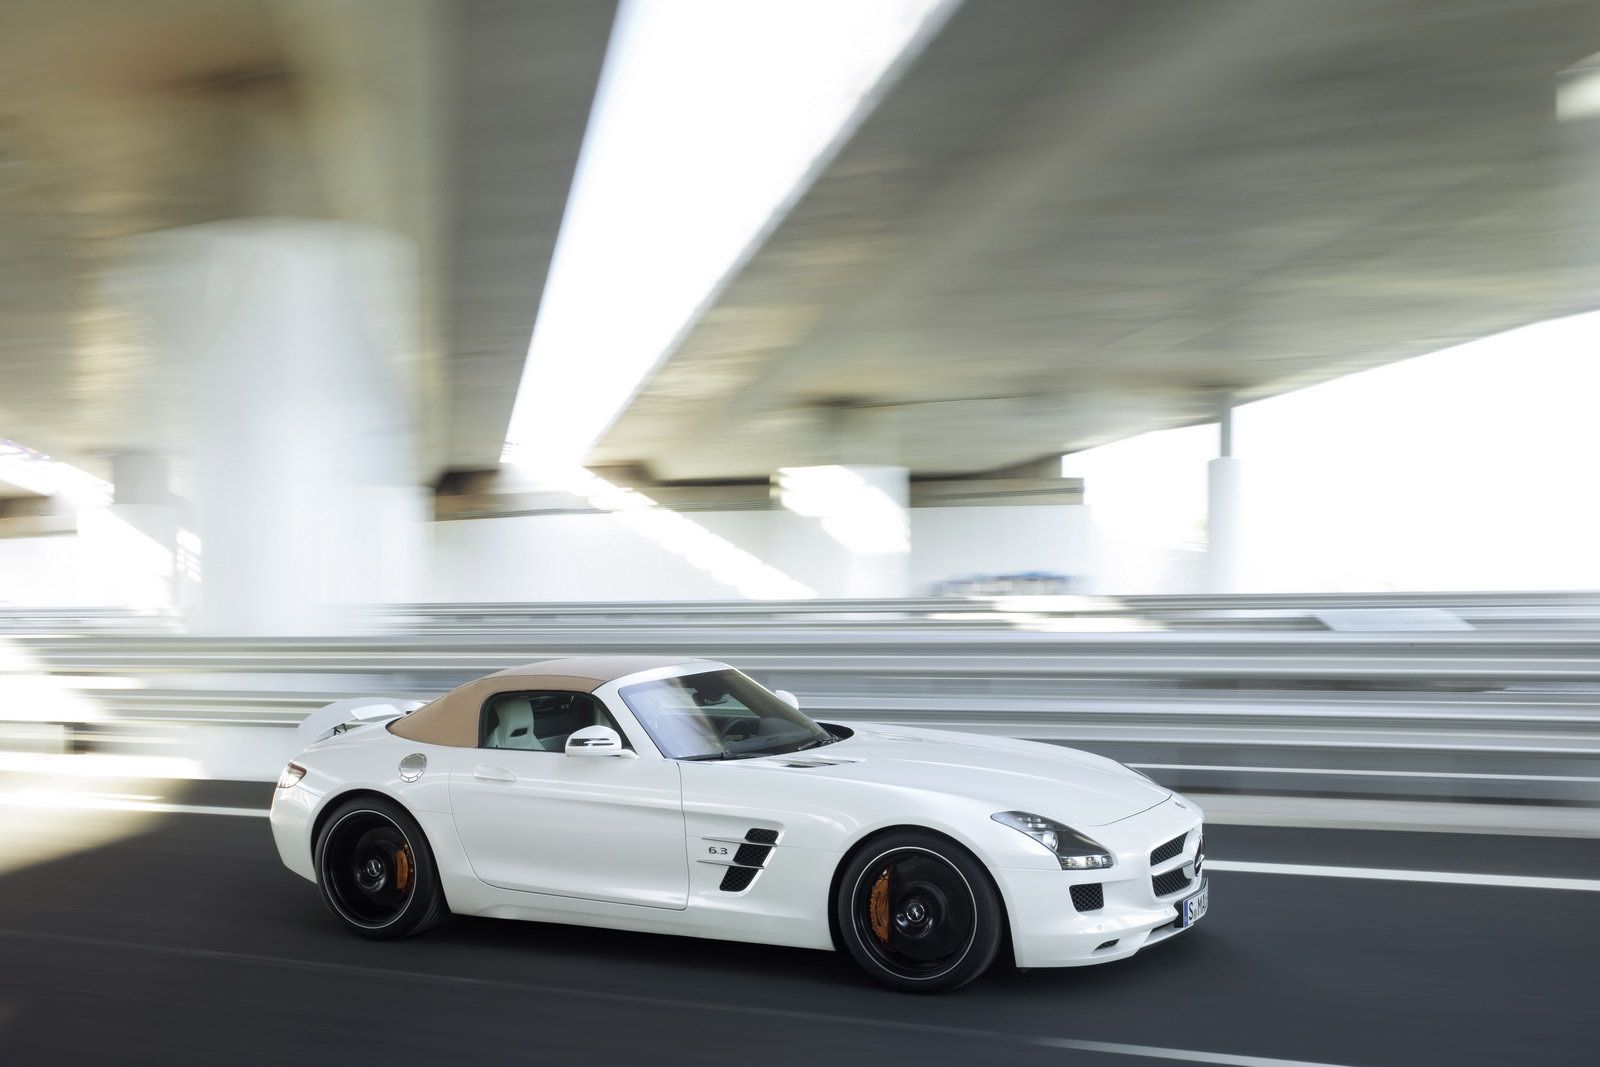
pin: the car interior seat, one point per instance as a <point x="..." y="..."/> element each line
<point x="542" y="723"/>
<point x="511" y="724"/>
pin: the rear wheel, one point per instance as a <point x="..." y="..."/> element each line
<point x="376" y="871"/>
<point x="919" y="913"/>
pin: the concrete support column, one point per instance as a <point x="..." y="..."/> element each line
<point x="1222" y="512"/>
<point x="140" y="478"/>
<point x="305" y="486"/>
<point x="129" y="546"/>
<point x="855" y="520"/>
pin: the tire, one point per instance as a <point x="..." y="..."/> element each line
<point x="376" y="872"/>
<point x="918" y="912"/>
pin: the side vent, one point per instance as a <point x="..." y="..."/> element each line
<point x="749" y="859"/>
<point x="751" y="855"/>
<point x="738" y="879"/>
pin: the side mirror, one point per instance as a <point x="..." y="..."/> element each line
<point x="788" y="698"/>
<point x="596" y="741"/>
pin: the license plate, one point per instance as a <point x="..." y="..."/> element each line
<point x="1193" y="906"/>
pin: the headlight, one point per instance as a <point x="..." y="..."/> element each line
<point x="1073" y="850"/>
<point x="290" y="776"/>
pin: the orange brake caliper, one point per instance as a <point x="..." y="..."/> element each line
<point x="402" y="868"/>
<point x="878" y="907"/>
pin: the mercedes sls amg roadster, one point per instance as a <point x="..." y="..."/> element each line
<point x="682" y="797"/>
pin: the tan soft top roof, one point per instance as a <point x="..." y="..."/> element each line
<point x="453" y="718"/>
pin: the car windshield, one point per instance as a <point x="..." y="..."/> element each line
<point x="719" y="715"/>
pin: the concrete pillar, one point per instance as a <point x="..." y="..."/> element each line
<point x="129" y="546"/>
<point x="140" y="478"/>
<point x="856" y="519"/>
<point x="305" y="488"/>
<point x="1222" y="512"/>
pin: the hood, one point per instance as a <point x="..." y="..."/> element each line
<point x="1072" y="787"/>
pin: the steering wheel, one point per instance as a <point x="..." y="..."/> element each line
<point x="750" y="724"/>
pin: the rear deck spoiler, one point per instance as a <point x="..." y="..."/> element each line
<point x="342" y="714"/>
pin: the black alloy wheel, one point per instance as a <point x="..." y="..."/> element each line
<point x="919" y="913"/>
<point x="376" y="872"/>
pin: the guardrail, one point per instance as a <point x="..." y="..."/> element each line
<point x="33" y="620"/>
<point x="1488" y="610"/>
<point x="1250" y="611"/>
<point x="1462" y="715"/>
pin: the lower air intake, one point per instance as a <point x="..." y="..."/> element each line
<point x="1090" y="896"/>
<point x="1174" y="881"/>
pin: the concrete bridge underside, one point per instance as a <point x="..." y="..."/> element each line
<point x="1070" y="222"/>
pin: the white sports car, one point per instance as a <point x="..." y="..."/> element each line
<point x="681" y="797"/>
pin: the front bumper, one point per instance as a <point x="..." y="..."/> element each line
<point x="1048" y="931"/>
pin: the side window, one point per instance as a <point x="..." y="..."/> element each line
<point x="540" y="721"/>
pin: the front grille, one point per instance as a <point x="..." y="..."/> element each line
<point x="738" y="879"/>
<point x="1163" y="853"/>
<point x="1090" y="896"/>
<point x="1171" y="882"/>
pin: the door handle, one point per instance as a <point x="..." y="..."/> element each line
<point x="488" y="773"/>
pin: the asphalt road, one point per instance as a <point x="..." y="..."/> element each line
<point x="178" y="938"/>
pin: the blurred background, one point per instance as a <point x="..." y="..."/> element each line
<point x="1211" y="384"/>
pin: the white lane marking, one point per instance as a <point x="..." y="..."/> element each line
<point x="1366" y="774"/>
<point x="61" y="799"/>
<point x="988" y="1036"/>
<point x="1153" y="1052"/>
<point x="1382" y="874"/>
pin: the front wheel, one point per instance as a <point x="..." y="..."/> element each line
<point x="919" y="913"/>
<point x="376" y="871"/>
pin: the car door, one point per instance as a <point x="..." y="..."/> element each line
<point x="534" y="819"/>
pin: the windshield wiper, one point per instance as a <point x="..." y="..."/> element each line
<point x="801" y="747"/>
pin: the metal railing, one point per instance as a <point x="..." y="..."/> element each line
<point x="1482" y="716"/>
<point x="1491" y="610"/>
<point x="1253" y="612"/>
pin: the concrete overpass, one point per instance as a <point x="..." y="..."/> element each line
<point x="1065" y="223"/>
<point x="455" y="126"/>
<point x="271" y="266"/>
<point x="1059" y="224"/>
<point x="1071" y="222"/>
